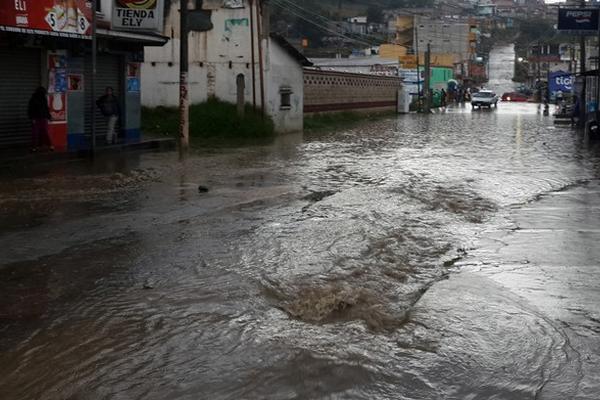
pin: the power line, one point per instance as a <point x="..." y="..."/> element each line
<point x="323" y="28"/>
<point x="368" y="39"/>
<point x="326" y="20"/>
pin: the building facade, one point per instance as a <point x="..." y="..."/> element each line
<point x="48" y="43"/>
<point x="233" y="47"/>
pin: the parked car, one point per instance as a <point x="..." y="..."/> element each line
<point x="524" y="90"/>
<point x="515" y="96"/>
<point x="484" y="98"/>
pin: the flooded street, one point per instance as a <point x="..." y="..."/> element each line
<point x="450" y="256"/>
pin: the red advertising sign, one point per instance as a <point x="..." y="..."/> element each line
<point x="66" y="18"/>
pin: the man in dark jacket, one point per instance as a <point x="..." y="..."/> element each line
<point x="39" y="114"/>
<point x="109" y="107"/>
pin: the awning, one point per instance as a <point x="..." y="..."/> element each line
<point x="145" y="39"/>
<point x="593" y="72"/>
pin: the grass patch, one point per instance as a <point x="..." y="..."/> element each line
<point x="212" y="121"/>
<point x="319" y="122"/>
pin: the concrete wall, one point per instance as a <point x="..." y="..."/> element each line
<point x="329" y="91"/>
<point x="284" y="75"/>
<point x="216" y="59"/>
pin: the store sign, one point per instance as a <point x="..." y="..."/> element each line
<point x="65" y="18"/>
<point x="578" y="20"/>
<point x="138" y="15"/>
<point x="560" y="81"/>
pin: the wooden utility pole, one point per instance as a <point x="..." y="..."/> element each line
<point x="253" y="54"/>
<point x="416" y="28"/>
<point x="427" y="79"/>
<point x="184" y="101"/>
<point x="583" y="56"/>
<point x="261" y="61"/>
<point x="94" y="72"/>
<point x="598" y="77"/>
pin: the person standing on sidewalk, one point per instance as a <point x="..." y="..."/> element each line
<point x="39" y="114"/>
<point x="109" y="107"/>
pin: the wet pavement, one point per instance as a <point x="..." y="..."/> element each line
<point x="450" y="256"/>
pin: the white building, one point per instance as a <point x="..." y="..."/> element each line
<point x="217" y="57"/>
<point x="445" y="37"/>
<point x="357" y="25"/>
<point x="284" y="81"/>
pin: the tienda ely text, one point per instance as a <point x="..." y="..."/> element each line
<point x="134" y="17"/>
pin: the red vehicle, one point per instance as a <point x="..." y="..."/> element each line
<point x="515" y="96"/>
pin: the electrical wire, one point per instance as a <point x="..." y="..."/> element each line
<point x="324" y="28"/>
<point x="299" y="10"/>
<point x="368" y="39"/>
<point x="363" y="39"/>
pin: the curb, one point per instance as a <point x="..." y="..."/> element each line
<point x="17" y="159"/>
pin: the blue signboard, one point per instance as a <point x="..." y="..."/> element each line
<point x="133" y="85"/>
<point x="560" y="81"/>
<point x="578" y="19"/>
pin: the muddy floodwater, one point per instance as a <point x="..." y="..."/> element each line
<point x="450" y="256"/>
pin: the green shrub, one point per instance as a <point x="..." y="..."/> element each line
<point x="213" y="119"/>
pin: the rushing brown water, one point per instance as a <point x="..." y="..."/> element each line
<point x="425" y="257"/>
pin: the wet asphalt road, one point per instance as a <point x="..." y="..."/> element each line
<point x="451" y="256"/>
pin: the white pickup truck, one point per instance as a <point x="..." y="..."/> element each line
<point x="484" y="98"/>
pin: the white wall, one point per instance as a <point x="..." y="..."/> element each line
<point x="211" y="73"/>
<point x="210" y="54"/>
<point x="106" y="8"/>
<point x="284" y="72"/>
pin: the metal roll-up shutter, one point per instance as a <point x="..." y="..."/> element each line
<point x="108" y="74"/>
<point x="20" y="75"/>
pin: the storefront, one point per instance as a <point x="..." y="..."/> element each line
<point x="59" y="59"/>
<point x="20" y="75"/>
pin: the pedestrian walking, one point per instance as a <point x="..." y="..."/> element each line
<point x="576" y="111"/>
<point x="109" y="107"/>
<point x="444" y="95"/>
<point x="461" y="95"/>
<point x="39" y="114"/>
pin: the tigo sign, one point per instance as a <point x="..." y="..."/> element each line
<point x="578" y="19"/>
<point x="138" y="15"/>
<point x="560" y="81"/>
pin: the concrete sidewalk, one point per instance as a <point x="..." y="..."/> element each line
<point x="23" y="156"/>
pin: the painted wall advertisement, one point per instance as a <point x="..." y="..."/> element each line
<point x="66" y="18"/>
<point x="58" y="84"/>
<point x="57" y="87"/>
<point x="138" y="15"/>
